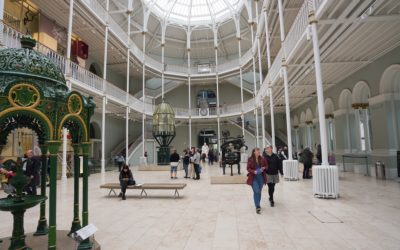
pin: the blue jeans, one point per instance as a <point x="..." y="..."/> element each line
<point x="257" y="186"/>
<point x="185" y="167"/>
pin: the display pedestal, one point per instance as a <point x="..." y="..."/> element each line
<point x="291" y="170"/>
<point x="326" y="182"/>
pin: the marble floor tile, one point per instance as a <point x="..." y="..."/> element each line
<point x="223" y="216"/>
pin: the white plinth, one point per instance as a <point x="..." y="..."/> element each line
<point x="291" y="170"/>
<point x="143" y="161"/>
<point x="325" y="182"/>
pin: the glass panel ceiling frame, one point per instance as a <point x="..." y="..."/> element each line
<point x="198" y="12"/>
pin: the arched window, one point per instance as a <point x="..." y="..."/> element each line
<point x="360" y="96"/>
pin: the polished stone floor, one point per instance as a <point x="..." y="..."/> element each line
<point x="366" y="216"/>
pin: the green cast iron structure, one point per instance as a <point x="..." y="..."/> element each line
<point x="34" y="94"/>
<point x="163" y="130"/>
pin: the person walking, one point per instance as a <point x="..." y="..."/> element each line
<point x="274" y="168"/>
<point x="174" y="161"/>
<point x="125" y="179"/>
<point x="306" y="159"/>
<point x="32" y="172"/>
<point x="256" y="177"/>
<point x="186" y="162"/>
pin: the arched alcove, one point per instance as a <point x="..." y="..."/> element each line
<point x="390" y="80"/>
<point x="96" y="69"/>
<point x="302" y="117"/>
<point x="329" y="108"/>
<point x="309" y="115"/>
<point x="295" y="120"/>
<point x="345" y="99"/>
<point x="95" y="131"/>
<point x="361" y="93"/>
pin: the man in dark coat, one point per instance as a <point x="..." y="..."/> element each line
<point x="306" y="158"/>
<point x="32" y="172"/>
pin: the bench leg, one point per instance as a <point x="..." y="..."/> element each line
<point x="112" y="190"/>
<point x="143" y="192"/>
<point x="176" y="194"/>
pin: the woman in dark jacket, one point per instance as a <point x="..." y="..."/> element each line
<point x="125" y="179"/>
<point x="274" y="168"/>
<point x="306" y="158"/>
<point x="256" y="178"/>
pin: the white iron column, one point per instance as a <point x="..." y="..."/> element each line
<point x="271" y="96"/>
<point x="326" y="179"/>
<point x="320" y="90"/>
<point x="189" y="90"/>
<point x="64" y="160"/>
<point x="261" y="81"/>
<point x="217" y="83"/>
<point x="241" y="83"/>
<point x="162" y="69"/>
<point x="103" y="111"/>
<point x="285" y="79"/>
<point x="251" y="23"/>
<point x="128" y="52"/>
<point x="144" y="94"/>
<point x="69" y="40"/>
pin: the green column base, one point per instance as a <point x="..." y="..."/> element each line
<point x="42" y="228"/>
<point x="86" y="244"/>
<point x="18" y="234"/>
<point x="76" y="225"/>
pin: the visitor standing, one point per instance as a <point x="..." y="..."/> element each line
<point x="174" y="161"/>
<point x="210" y="157"/>
<point x="120" y="161"/>
<point x="306" y="158"/>
<point x="125" y="179"/>
<point x="256" y="177"/>
<point x="204" y="152"/>
<point x="32" y="172"/>
<point x="196" y="163"/>
<point x="186" y="162"/>
<point x="274" y="168"/>
<point x="319" y="154"/>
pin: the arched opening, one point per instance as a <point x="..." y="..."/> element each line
<point x="344" y="104"/>
<point x="390" y="87"/>
<point x="360" y="96"/>
<point x="95" y="69"/>
<point x="330" y="125"/>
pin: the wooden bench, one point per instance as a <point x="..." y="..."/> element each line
<point x="146" y="186"/>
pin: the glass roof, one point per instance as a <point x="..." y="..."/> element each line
<point x="194" y="12"/>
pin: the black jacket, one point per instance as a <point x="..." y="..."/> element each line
<point x="274" y="164"/>
<point x="32" y="169"/>
<point x="174" y="157"/>
<point x="186" y="158"/>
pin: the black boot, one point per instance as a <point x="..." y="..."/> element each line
<point x="123" y="196"/>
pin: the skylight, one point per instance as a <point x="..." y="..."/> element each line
<point x="194" y="12"/>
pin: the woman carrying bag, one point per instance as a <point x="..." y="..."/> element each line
<point x="257" y="177"/>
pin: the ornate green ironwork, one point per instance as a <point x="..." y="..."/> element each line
<point x="33" y="94"/>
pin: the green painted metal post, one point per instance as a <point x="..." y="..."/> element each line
<point x="42" y="228"/>
<point x="76" y="223"/>
<point x="53" y="148"/>
<point x="86" y="244"/>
